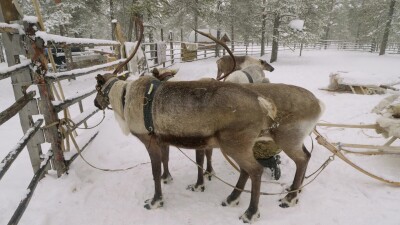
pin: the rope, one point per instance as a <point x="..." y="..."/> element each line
<point x="264" y="193"/>
<point x="66" y="127"/>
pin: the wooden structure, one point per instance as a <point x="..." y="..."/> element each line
<point x="28" y="104"/>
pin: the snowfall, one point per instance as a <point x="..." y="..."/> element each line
<point x="339" y="195"/>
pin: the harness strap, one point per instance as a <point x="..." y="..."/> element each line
<point x="123" y="98"/>
<point x="248" y="76"/>
<point x="148" y="105"/>
<point x="107" y="86"/>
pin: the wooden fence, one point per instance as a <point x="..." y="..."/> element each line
<point x="205" y="51"/>
<point x="22" y="38"/>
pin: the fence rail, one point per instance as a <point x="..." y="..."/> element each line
<point x="13" y="154"/>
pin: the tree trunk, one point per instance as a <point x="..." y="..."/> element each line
<point x="232" y="37"/>
<point x="196" y="20"/>
<point x="275" y="38"/>
<point x="112" y="18"/>
<point x="328" y="26"/>
<point x="263" y="27"/>
<point x="387" y="28"/>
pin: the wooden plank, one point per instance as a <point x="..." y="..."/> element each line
<point x="68" y="102"/>
<point x="366" y="126"/>
<point x="69" y="162"/>
<point x="80" y="72"/>
<point x="387" y="149"/>
<point x="10" y="30"/>
<point x="16" y="107"/>
<point x="85" y="118"/>
<point x="31" y="188"/>
<point x="14" y="71"/>
<point x="10" y="158"/>
<point x="388" y="143"/>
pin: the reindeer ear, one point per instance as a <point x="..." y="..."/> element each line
<point x="100" y="79"/>
<point x="155" y="72"/>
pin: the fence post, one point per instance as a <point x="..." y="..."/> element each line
<point x="2" y="59"/>
<point x="21" y="80"/>
<point x="46" y="107"/>
<point x="162" y="40"/>
<point x="171" y="46"/>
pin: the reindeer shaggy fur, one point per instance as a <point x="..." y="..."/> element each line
<point x="204" y="114"/>
<point x="181" y="113"/>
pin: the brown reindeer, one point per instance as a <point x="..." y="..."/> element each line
<point x="298" y="111"/>
<point x="208" y="114"/>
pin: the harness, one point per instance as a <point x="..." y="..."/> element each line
<point x="106" y="88"/>
<point x="248" y="76"/>
<point x="148" y="105"/>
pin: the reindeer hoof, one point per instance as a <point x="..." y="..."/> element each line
<point x="248" y="217"/>
<point x="196" y="188"/>
<point x="285" y="203"/>
<point x="153" y="204"/>
<point x="209" y="175"/>
<point x="167" y="180"/>
<point x="229" y="202"/>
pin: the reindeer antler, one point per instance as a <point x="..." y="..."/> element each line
<point x="120" y="66"/>
<point x="223" y="45"/>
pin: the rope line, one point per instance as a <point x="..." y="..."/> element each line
<point x="318" y="172"/>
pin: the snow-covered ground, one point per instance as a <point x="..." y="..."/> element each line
<point x="340" y="195"/>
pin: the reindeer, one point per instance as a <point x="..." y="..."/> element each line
<point x="298" y="111"/>
<point x="208" y="114"/>
<point x="226" y="63"/>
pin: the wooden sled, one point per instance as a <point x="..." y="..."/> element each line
<point x="379" y="149"/>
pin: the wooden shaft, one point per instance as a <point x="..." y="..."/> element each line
<point x="367" y="126"/>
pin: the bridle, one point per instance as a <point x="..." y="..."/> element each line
<point x="104" y="90"/>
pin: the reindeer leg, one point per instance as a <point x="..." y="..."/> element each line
<point x="300" y="156"/>
<point x="199" y="185"/>
<point x="166" y="177"/>
<point x="154" y="150"/>
<point x="233" y="198"/>
<point x="209" y="171"/>
<point x="242" y="153"/>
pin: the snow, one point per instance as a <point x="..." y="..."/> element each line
<point x="340" y="195"/>
<point x="5" y="69"/>
<point x="297" y="24"/>
<point x="67" y="40"/>
<point x="13" y="26"/>
<point x="30" y="19"/>
<point x="366" y="78"/>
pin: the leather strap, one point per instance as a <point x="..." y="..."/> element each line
<point x="248" y="76"/>
<point x="148" y="105"/>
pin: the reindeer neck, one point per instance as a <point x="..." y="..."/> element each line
<point x="117" y="97"/>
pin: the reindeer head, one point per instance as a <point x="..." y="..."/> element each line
<point x="103" y="87"/>
<point x="105" y="82"/>
<point x="266" y="66"/>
